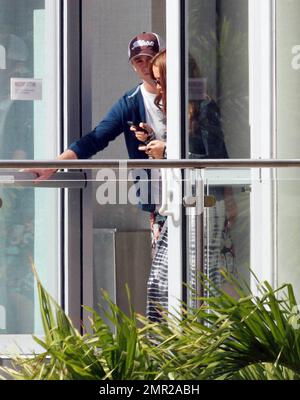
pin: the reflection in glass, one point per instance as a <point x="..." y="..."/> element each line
<point x="218" y="65"/>
<point x="218" y="123"/>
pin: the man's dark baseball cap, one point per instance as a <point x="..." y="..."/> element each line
<point x="145" y="44"/>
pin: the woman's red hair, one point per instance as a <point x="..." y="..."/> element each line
<point x="160" y="61"/>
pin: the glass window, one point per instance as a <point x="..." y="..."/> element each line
<point x="28" y="130"/>
<point x="218" y="122"/>
<point x="218" y="81"/>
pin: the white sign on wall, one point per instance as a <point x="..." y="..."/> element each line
<point x="25" y="89"/>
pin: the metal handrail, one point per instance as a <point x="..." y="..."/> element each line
<point x="67" y="180"/>
<point x="149" y="164"/>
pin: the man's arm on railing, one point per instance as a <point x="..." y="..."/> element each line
<point x="46" y="173"/>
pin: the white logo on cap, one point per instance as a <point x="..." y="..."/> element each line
<point x="140" y="43"/>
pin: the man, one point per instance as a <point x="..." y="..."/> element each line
<point x="136" y="105"/>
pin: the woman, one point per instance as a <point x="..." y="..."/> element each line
<point x="157" y="288"/>
<point x="205" y="141"/>
<point x="158" y="279"/>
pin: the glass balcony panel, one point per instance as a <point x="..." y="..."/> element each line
<point x="286" y="231"/>
<point x="227" y="225"/>
<point x="264" y="235"/>
<point x="29" y="222"/>
<point x="239" y="220"/>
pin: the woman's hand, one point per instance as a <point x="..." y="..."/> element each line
<point x="154" y="149"/>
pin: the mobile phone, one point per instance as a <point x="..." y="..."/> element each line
<point x="138" y="128"/>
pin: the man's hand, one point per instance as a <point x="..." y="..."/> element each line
<point x="46" y="173"/>
<point x="42" y="173"/>
<point x="141" y="135"/>
<point x="154" y="149"/>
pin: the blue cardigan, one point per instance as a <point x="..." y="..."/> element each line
<point x="130" y="107"/>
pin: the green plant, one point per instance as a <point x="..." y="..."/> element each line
<point x="101" y="354"/>
<point x="240" y="337"/>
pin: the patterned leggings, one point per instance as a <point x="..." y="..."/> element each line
<point x="218" y="253"/>
<point x="157" y="289"/>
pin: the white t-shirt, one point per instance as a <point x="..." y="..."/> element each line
<point x="154" y="116"/>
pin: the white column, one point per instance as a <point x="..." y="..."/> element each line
<point x="174" y="150"/>
<point x="46" y="139"/>
<point x="261" y="93"/>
